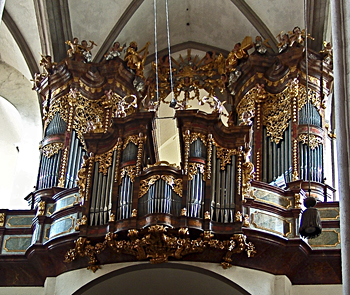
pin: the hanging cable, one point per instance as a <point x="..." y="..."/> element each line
<point x="311" y="226"/>
<point x="173" y="101"/>
<point x="156" y="47"/>
<point x="307" y="97"/>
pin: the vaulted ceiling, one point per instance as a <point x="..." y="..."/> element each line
<point x="32" y="27"/>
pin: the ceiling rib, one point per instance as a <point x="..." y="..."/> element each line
<point x="43" y="27"/>
<point x="21" y="42"/>
<point x="123" y="20"/>
<point x="256" y="22"/>
<point x="59" y="26"/>
<point x="317" y="18"/>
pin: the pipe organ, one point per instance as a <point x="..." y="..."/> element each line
<point x="101" y="181"/>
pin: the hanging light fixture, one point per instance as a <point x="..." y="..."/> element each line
<point x="310" y="219"/>
<point x="173" y="102"/>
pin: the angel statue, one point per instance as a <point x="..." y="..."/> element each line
<point x="238" y="53"/>
<point x="134" y="60"/>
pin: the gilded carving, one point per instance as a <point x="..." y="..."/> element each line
<point x="147" y="183"/>
<point x="51" y="149"/>
<point x="238" y="216"/>
<point x="2" y="219"/>
<point x="258" y="163"/>
<point x="105" y="161"/>
<point x="89" y="176"/>
<point x="210" y="151"/>
<point x="196" y="135"/>
<point x="134" y="213"/>
<point x="246" y="222"/>
<point x="193" y="169"/>
<point x="63" y="168"/>
<point x="295" y="175"/>
<point x="119" y="150"/>
<point x="132" y="138"/>
<point x="41" y="208"/>
<point x="314" y="142"/>
<point x="330" y="133"/>
<point x="246" y="107"/>
<point x="82" y="177"/>
<point x="141" y="140"/>
<point x="187" y="138"/>
<point x="158" y="245"/>
<point x="184" y="212"/>
<point x="225" y="155"/>
<point x="111" y="217"/>
<point x="175" y="183"/>
<point x="161" y="163"/>
<point x="60" y="106"/>
<point x="314" y="98"/>
<point x="82" y="221"/>
<point x="276" y="114"/>
<point x="247" y="177"/>
<point x="247" y="104"/>
<point x="129" y="171"/>
<point x="297" y="201"/>
<point x="294" y="91"/>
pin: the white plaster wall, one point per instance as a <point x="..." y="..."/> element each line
<point x="317" y="290"/>
<point x="16" y="89"/>
<point x="253" y="281"/>
<point x="10" y="136"/>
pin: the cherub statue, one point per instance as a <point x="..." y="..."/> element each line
<point x="47" y="65"/>
<point x="283" y="40"/>
<point x="208" y="63"/>
<point x="36" y="80"/>
<point x="126" y="105"/>
<point x="218" y="105"/>
<point x="260" y="45"/>
<point x="86" y="50"/>
<point x="74" y="47"/>
<point x="327" y="52"/>
<point x="134" y="60"/>
<point x="297" y="37"/>
<point x="246" y="118"/>
<point x="151" y="106"/>
<point x="114" y="51"/>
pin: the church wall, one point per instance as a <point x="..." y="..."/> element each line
<point x="253" y="281"/>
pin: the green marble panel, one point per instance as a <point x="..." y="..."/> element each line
<point x="272" y="198"/>
<point x="16" y="244"/>
<point x="50" y="209"/>
<point x="329" y="238"/>
<point x="62" y="226"/>
<point x="46" y="232"/>
<point x="19" y="221"/>
<point x="329" y="213"/>
<point x="67" y="202"/>
<point x="271" y="222"/>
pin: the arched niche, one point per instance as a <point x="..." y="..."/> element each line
<point x="159" y="279"/>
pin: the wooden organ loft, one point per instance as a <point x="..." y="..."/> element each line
<point x="104" y="196"/>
